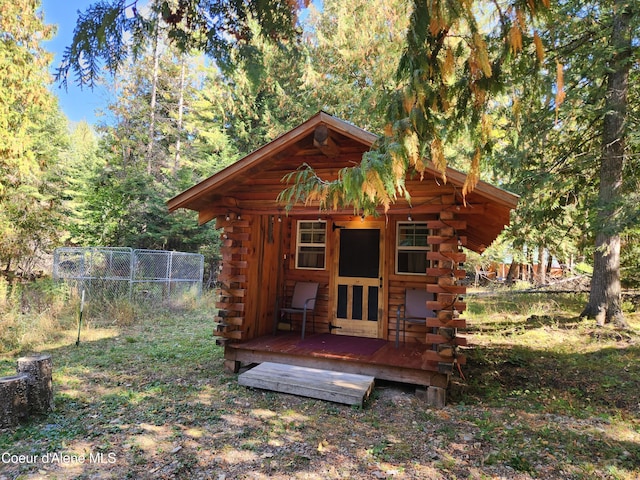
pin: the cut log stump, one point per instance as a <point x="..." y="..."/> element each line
<point x="13" y="399"/>
<point x="38" y="369"/>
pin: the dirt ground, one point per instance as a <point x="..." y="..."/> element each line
<point x="151" y="401"/>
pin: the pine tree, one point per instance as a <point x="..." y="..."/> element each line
<point x="31" y="137"/>
<point x="562" y="161"/>
<point x="605" y="302"/>
<point x="348" y="69"/>
<point x="109" y="31"/>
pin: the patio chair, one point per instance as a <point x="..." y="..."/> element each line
<point x="413" y="310"/>
<point x="303" y="302"/>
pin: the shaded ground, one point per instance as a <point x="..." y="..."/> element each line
<point x="544" y="397"/>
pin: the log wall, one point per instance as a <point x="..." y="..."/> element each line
<point x="252" y="248"/>
<point x="440" y="334"/>
<point x="232" y="302"/>
<point x="259" y="268"/>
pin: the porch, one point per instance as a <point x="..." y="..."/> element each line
<point x="409" y="363"/>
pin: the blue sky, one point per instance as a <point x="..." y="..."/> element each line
<point x="77" y="104"/>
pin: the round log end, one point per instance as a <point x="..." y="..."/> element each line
<point x="39" y="369"/>
<point x="13" y="399"/>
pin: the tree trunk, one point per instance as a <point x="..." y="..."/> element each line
<point x="154" y="94"/>
<point x="605" y="296"/>
<point x="183" y="69"/>
<point x="541" y="277"/>
<point x="39" y="369"/>
<point x="512" y="273"/>
<point x="13" y="400"/>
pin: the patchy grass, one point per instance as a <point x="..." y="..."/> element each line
<point x="545" y="396"/>
<point x="534" y="351"/>
<point x="32" y="314"/>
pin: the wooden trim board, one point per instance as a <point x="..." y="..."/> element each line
<point x="339" y="387"/>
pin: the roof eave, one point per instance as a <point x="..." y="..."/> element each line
<point x="274" y="147"/>
<point x="184" y="199"/>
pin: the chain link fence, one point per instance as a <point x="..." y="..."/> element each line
<point x="112" y="273"/>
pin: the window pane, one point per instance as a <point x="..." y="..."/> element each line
<point x="318" y="237"/>
<point x="412" y="262"/>
<point x="311" y="257"/>
<point x="306" y="225"/>
<point x="420" y="237"/>
<point x="312" y="232"/>
<point x="412" y="247"/>
<point x="412" y="235"/>
<point x="311" y="245"/>
<point x="359" y="253"/>
<point x="373" y="304"/>
<point x="342" y="301"/>
<point x="356" y="305"/>
<point x="403" y="235"/>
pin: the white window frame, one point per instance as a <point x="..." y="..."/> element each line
<point x="300" y="244"/>
<point x="419" y="248"/>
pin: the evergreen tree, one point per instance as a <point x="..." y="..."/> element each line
<point x="352" y="50"/>
<point x="238" y="111"/>
<point x="605" y="302"/>
<point x="135" y="172"/>
<point x="575" y="189"/>
<point x="110" y="30"/>
<point x="31" y="137"/>
<point x="339" y="67"/>
<point x="78" y="165"/>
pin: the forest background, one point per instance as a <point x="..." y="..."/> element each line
<point x="177" y="117"/>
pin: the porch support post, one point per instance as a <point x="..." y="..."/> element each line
<point x="436" y="397"/>
<point x="236" y="237"/>
<point x="447" y="256"/>
<point x="433" y="396"/>
<point x="231" y="366"/>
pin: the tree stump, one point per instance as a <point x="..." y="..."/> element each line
<point x="38" y="369"/>
<point x="13" y="399"/>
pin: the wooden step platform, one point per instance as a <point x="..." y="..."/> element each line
<point x="328" y="385"/>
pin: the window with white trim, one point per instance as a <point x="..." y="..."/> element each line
<point x="412" y="248"/>
<point x="311" y="244"/>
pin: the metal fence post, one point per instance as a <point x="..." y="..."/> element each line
<point x="169" y="270"/>
<point x="132" y="259"/>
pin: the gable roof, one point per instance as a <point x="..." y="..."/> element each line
<point x="236" y="170"/>
<point x="253" y="182"/>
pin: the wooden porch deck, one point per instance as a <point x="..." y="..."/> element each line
<point x="406" y="364"/>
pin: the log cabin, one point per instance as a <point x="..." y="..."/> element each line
<point x="363" y="265"/>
